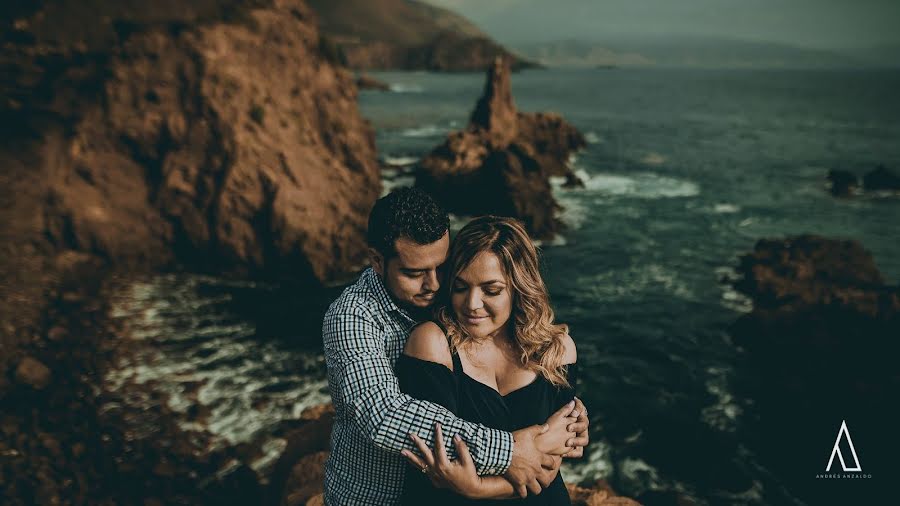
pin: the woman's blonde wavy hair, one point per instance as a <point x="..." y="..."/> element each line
<point x="538" y="338"/>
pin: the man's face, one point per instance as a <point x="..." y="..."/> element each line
<point x="412" y="277"/>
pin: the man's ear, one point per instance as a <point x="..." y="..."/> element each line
<point x="377" y="261"/>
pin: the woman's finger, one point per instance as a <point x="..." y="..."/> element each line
<point x="414" y="459"/>
<point x="427" y="455"/>
<point x="439" y="449"/>
<point x="562" y="412"/>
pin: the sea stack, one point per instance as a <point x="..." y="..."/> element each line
<point x="502" y="162"/>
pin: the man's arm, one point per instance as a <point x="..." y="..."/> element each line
<point x="363" y="383"/>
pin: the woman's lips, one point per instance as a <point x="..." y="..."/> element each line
<point x="474" y="320"/>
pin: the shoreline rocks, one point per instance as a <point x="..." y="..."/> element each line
<point x="818" y="348"/>
<point x="502" y="162"/>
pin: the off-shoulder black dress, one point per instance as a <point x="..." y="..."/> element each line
<point x="476" y="402"/>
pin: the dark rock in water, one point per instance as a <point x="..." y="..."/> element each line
<point x="789" y="275"/>
<point x="367" y="82"/>
<point x="843" y="182"/>
<point x="881" y="179"/>
<point x="33" y="373"/>
<point x="820" y="348"/>
<point x="502" y="162"/>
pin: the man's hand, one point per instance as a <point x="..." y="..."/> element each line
<point x="580" y="428"/>
<point x="527" y="460"/>
<point x="546" y="476"/>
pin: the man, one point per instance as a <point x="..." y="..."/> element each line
<point x="365" y="331"/>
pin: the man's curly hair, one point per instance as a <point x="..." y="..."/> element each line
<point x="409" y="213"/>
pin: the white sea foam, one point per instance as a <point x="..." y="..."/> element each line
<point x="401" y="161"/>
<point x="731" y="298"/>
<point x="592" y="138"/>
<point x="203" y="358"/>
<point x="636" y="280"/>
<point x="724" y="412"/>
<point x="725" y="208"/>
<point x="406" y="88"/>
<point x="644" y="185"/>
<point x="424" y="131"/>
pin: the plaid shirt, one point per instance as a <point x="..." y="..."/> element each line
<point x="364" y="333"/>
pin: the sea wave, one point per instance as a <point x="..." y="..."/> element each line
<point x="406" y="88"/>
<point x="645" y="185"/>
<point x="401" y="161"/>
<point x="424" y="131"/>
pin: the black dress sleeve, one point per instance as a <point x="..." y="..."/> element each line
<point x="566" y="394"/>
<point x="428" y="381"/>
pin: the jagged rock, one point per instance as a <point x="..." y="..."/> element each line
<point x="244" y="145"/>
<point x="843" y="182"/>
<point x="881" y="179"/>
<point x="501" y="163"/>
<point x="495" y="112"/>
<point x="33" y="373"/>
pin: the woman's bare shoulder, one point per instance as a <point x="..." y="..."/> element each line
<point x="428" y="342"/>
<point x="571" y="354"/>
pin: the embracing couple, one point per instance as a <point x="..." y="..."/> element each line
<point x="451" y="381"/>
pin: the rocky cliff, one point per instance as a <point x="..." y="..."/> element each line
<point x="218" y="135"/>
<point x="409" y="35"/>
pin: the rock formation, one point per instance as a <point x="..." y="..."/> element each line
<point x="881" y="179"/>
<point x="820" y="347"/>
<point x="236" y="144"/>
<point x="843" y="183"/>
<point x="501" y="163"/>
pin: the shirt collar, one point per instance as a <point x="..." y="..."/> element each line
<point x="376" y="284"/>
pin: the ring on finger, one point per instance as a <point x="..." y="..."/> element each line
<point x="425" y="470"/>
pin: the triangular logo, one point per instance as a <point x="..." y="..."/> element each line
<point x="837" y="450"/>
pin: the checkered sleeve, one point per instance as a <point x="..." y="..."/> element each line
<point x="363" y="383"/>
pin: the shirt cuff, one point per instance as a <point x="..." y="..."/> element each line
<point x="498" y="456"/>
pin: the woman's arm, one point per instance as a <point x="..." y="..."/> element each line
<point x="460" y="476"/>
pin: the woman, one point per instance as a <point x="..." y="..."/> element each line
<point x="493" y="355"/>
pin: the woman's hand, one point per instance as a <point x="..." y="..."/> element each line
<point x="558" y="440"/>
<point x="458" y="475"/>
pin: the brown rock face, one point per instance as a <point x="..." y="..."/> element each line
<point x="819" y="347"/>
<point x="235" y="143"/>
<point x="33" y="373"/>
<point x="495" y="111"/>
<point x="502" y="162"/>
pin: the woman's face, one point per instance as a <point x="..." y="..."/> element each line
<point x="480" y="296"/>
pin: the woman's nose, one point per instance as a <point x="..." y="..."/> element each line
<point x="473" y="300"/>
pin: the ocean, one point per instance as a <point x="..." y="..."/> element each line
<point x="684" y="171"/>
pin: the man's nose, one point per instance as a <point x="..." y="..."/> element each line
<point x="431" y="282"/>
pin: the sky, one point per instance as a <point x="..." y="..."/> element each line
<point x="821" y="24"/>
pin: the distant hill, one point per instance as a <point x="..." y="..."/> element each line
<point x="406" y="34"/>
<point x="701" y="52"/>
